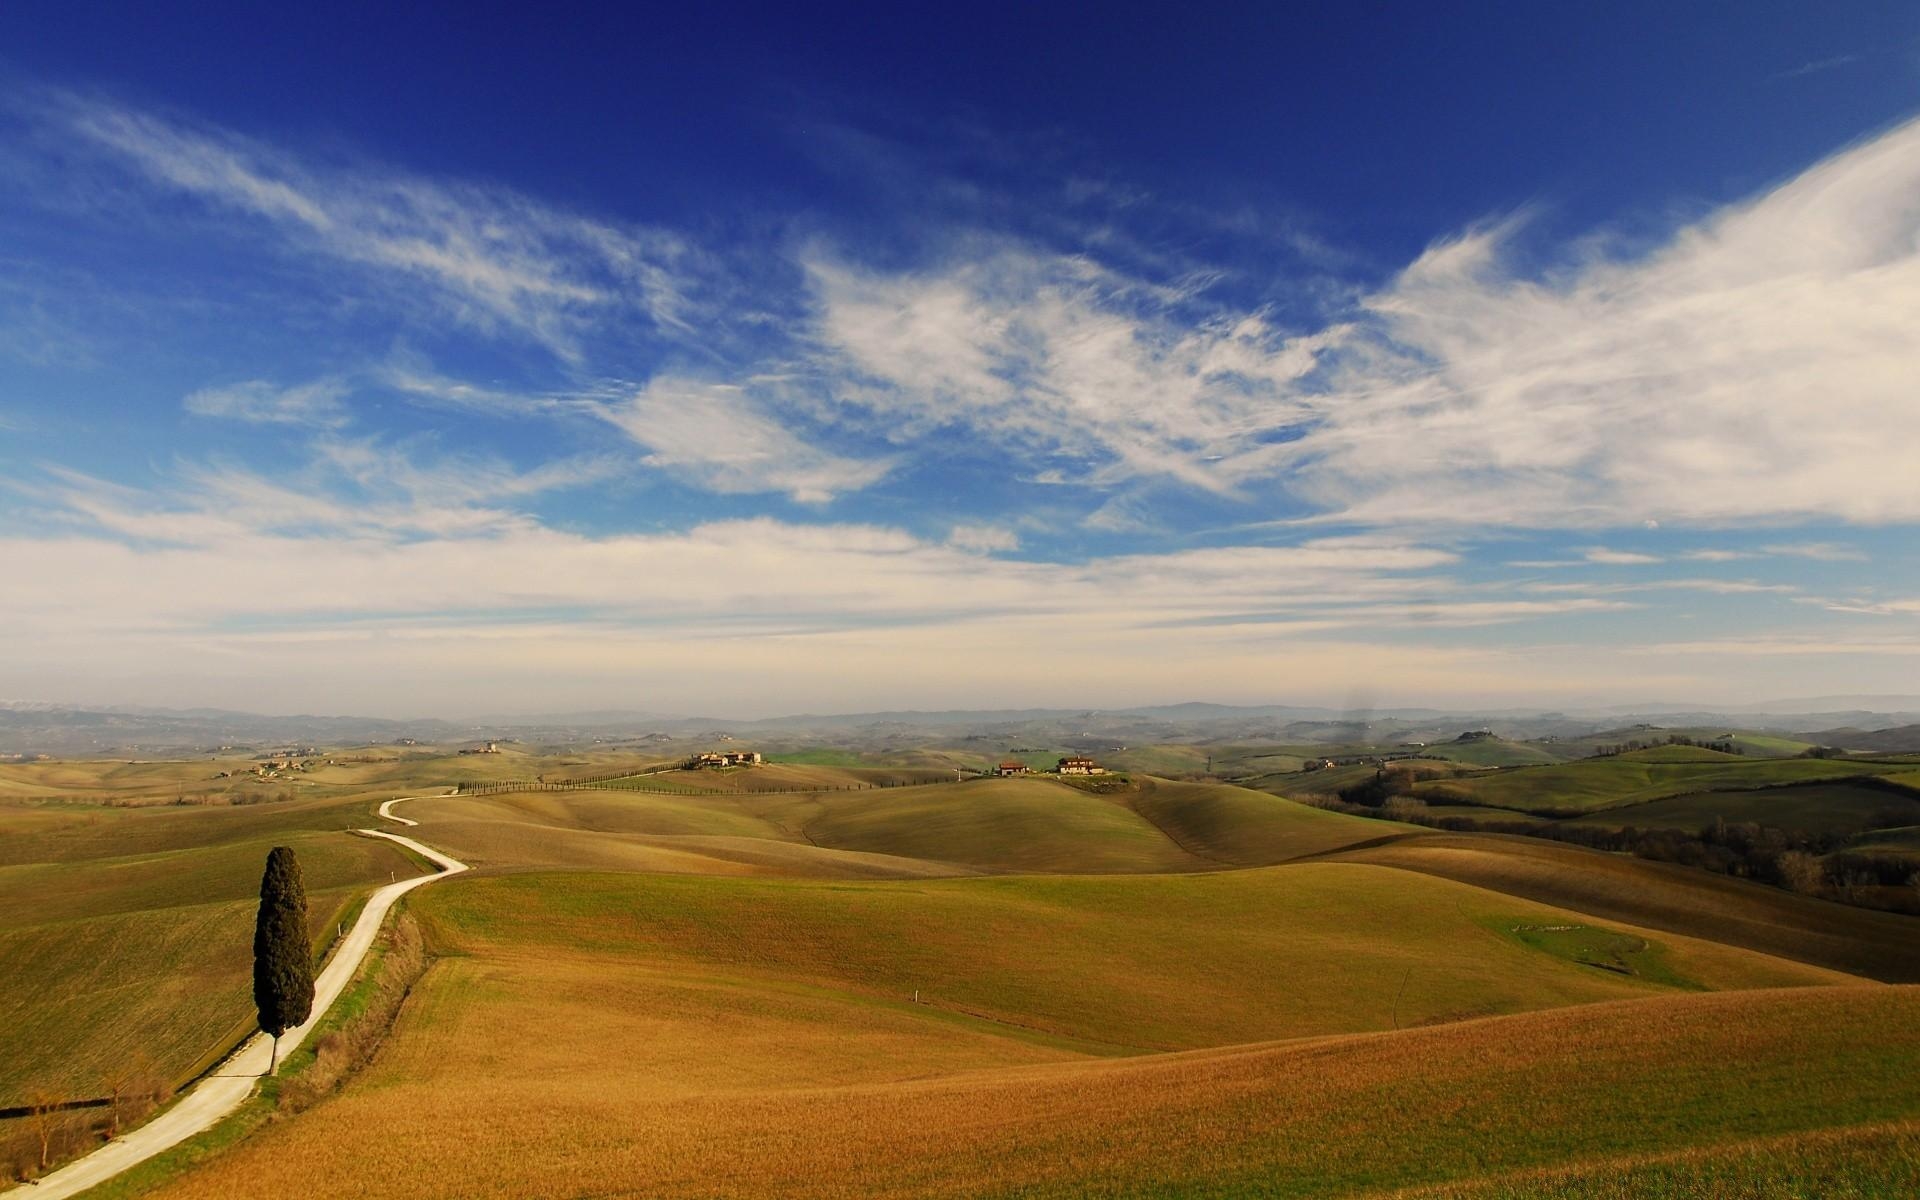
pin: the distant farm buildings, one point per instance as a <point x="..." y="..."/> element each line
<point x="489" y="748"/>
<point x="730" y="758"/>
<point x="1078" y="765"/>
<point x="1011" y="767"/>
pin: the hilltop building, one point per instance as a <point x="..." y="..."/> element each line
<point x="1077" y="765"/>
<point x="1011" y="767"/>
<point x="731" y="758"/>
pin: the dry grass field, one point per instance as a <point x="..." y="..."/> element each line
<point x="994" y="825"/>
<point x="592" y="1035"/>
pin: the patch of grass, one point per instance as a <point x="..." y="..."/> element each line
<point x="1602" y="949"/>
<point x="1877" y="1162"/>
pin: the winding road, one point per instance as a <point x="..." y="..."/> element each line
<point x="229" y="1084"/>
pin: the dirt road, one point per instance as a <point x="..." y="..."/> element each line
<point x="230" y="1083"/>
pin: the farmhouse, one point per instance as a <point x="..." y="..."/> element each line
<point x="1011" y="767"/>
<point x="489" y="748"/>
<point x="731" y="758"/>
<point x="1076" y="765"/>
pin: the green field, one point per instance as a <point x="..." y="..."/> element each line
<point x="1839" y="807"/>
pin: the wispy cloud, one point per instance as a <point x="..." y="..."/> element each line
<point x="719" y="437"/>
<point x="983" y="539"/>
<point x="1061" y="361"/>
<point x="1619" y="558"/>
<point x="260" y="402"/>
<point x="1818" y="65"/>
<point x="1818" y="551"/>
<point x="1750" y="370"/>
<point x="489" y="257"/>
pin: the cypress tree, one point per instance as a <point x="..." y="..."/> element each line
<point x="282" y="954"/>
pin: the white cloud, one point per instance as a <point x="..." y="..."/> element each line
<point x="429" y="578"/>
<point x="718" y="437"/>
<point x="261" y="402"/>
<point x="431" y="542"/>
<point x="1791" y="646"/>
<point x="1619" y="558"/>
<point x="983" y="539"/>
<point x="1870" y="608"/>
<point x="1818" y="551"/>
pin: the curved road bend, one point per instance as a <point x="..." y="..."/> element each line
<point x="230" y="1083"/>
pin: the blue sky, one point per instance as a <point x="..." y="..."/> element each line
<point x="751" y="361"/>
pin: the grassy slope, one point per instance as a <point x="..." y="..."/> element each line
<point x="1592" y="785"/>
<point x="1242" y="827"/>
<point x="606" y="1036"/>
<point x="1001" y="824"/>
<point x="633" y="831"/>
<point x="1667" y="897"/>
<point x="1494" y="752"/>
<point x="1142" y="962"/>
<point x="130" y="929"/>
<point x="786" y="776"/>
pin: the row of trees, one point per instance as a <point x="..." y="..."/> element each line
<point x="1723" y="745"/>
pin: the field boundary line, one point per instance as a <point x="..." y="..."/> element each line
<point x="231" y="1082"/>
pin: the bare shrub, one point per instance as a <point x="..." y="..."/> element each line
<point x="340" y="1052"/>
<point x="1800" y="872"/>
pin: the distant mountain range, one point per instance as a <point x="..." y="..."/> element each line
<point x="1885" y="723"/>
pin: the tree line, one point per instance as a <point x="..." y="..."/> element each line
<point x="1813" y="863"/>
